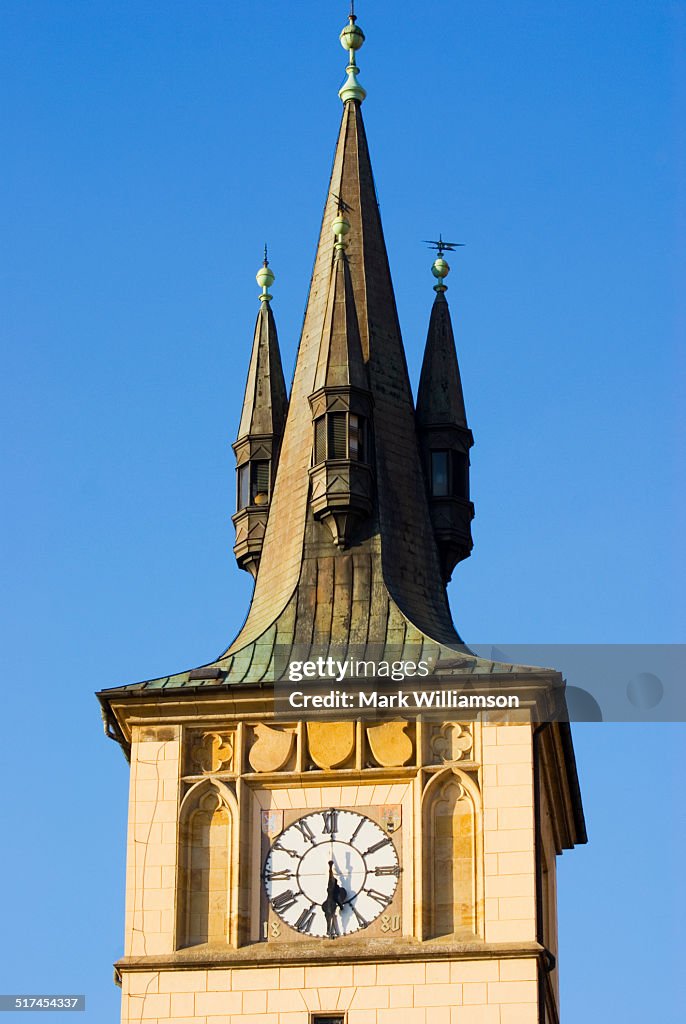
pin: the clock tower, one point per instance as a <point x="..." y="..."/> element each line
<point x="370" y="862"/>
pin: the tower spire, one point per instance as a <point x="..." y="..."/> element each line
<point x="263" y="418"/>
<point x="444" y="437"/>
<point x="349" y="520"/>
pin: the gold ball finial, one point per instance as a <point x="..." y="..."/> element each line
<point x="440" y="268"/>
<point x="265" y="278"/>
<point x="351" y="37"/>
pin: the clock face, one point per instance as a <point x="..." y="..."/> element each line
<point x="331" y="873"/>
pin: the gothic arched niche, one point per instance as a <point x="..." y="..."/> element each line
<point x="450" y="856"/>
<point x="205" y="866"/>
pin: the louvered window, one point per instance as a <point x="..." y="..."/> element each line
<point x="338" y="435"/>
<point x="319" y="440"/>
<point x="259" y="486"/>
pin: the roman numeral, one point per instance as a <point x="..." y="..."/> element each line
<point x="284" y="900"/>
<point x="393" y="869"/>
<point x="304" y="922"/>
<point x="360" y="920"/>
<point x="378" y="896"/>
<point x="377" y="846"/>
<point x="330" y="822"/>
<point x="333" y="932"/>
<point x="361" y="823"/>
<point x="283" y="849"/>
<point x="278" y="876"/>
<point x="305" y="830"/>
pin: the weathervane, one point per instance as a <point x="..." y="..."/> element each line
<point x="343" y="207"/>
<point x="440" y="268"/>
<point x="442" y="246"/>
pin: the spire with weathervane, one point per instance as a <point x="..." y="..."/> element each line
<point x="444" y="437"/>
<point x="260" y="431"/>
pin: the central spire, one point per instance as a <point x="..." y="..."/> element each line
<point x="350" y="554"/>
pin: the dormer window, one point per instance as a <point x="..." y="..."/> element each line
<point x="253" y="483"/>
<point x="449" y="474"/>
<point x="339" y="435"/>
<point x="440" y="474"/>
<point x="356" y="438"/>
<point x="461" y="475"/>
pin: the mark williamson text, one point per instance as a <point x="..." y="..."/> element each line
<point x="410" y="699"/>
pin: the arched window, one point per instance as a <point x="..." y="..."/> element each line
<point x="205" y="868"/>
<point x="450" y="859"/>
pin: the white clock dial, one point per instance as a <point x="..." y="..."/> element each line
<point x="331" y="873"/>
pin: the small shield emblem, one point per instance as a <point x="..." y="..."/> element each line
<point x="271" y="749"/>
<point x="391" y="817"/>
<point x="272" y="823"/>
<point x="330" y="743"/>
<point x="390" y="744"/>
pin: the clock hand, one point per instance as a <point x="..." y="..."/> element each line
<point x="335" y="898"/>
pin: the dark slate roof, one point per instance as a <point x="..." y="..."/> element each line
<point x="439" y="398"/>
<point x="266" y="402"/>
<point x="385" y="593"/>
<point x="340" y="361"/>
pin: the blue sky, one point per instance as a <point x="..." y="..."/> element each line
<point x="151" y="148"/>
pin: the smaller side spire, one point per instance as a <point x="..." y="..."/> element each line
<point x="352" y="37"/>
<point x="444" y="437"/>
<point x="260" y="432"/>
<point x="341" y="406"/>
